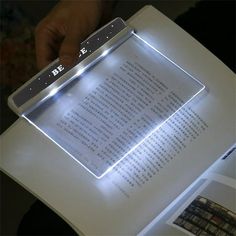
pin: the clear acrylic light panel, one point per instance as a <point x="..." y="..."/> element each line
<point x="108" y="111"/>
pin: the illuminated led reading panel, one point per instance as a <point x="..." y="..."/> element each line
<point x="109" y="110"/>
<point x="120" y="91"/>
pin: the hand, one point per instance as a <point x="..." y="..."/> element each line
<point x="62" y="30"/>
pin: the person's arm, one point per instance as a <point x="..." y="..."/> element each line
<point x="62" y="30"/>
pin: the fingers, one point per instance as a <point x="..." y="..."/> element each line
<point x="84" y="18"/>
<point x="44" y="43"/>
<point x="63" y="29"/>
<point x="78" y="28"/>
<point x="71" y="44"/>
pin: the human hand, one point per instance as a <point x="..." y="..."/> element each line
<point x="62" y="30"/>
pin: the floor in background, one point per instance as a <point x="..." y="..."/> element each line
<point x="15" y="201"/>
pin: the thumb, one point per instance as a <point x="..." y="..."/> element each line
<point x="71" y="44"/>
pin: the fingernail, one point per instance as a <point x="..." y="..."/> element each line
<point x="67" y="60"/>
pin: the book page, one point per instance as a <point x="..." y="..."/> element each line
<point x="208" y="208"/>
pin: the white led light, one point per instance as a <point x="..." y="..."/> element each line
<point x="105" y="52"/>
<point x="53" y="92"/>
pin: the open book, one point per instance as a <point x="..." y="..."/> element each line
<point x="142" y="189"/>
